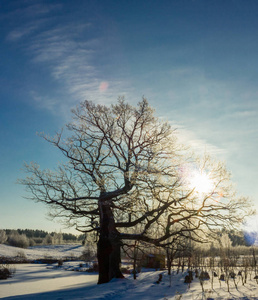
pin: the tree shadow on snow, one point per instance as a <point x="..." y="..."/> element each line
<point x="116" y="289"/>
<point x="33" y="273"/>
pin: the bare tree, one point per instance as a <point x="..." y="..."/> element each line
<point x="125" y="179"/>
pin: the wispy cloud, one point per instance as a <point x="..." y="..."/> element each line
<point x="28" y="18"/>
<point x="19" y="33"/>
<point x="71" y="52"/>
<point x="197" y="144"/>
<point x="32" y="10"/>
<point x="209" y="111"/>
<point x="44" y="102"/>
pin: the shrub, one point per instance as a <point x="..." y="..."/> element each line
<point x="31" y="242"/>
<point x="60" y="263"/>
<point x="87" y="255"/>
<point x="18" y="240"/>
<point x="38" y="240"/>
<point x="94" y="268"/>
<point x="48" y="240"/>
<point x="6" y="272"/>
<point x="204" y="275"/>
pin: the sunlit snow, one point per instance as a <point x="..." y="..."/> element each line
<point x="41" y="281"/>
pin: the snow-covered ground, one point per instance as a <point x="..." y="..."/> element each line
<point x="41" y="281"/>
<point x="41" y="252"/>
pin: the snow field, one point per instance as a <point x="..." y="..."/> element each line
<point x="70" y="282"/>
<point x="41" y="281"/>
<point x="40" y="252"/>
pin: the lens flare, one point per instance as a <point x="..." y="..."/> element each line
<point x="250" y="229"/>
<point x="103" y="86"/>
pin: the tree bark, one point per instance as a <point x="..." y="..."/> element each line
<point x="109" y="246"/>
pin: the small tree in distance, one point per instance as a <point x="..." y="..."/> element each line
<point x="3" y="236"/>
<point x="125" y="180"/>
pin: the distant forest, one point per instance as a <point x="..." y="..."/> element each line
<point x="29" y="237"/>
<point x="237" y="238"/>
<point x="31" y="233"/>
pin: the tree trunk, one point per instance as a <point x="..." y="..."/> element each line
<point x="109" y="246"/>
<point x="169" y="261"/>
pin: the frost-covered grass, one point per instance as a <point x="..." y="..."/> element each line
<point x="70" y="281"/>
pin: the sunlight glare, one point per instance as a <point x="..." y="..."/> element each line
<point x="201" y="182"/>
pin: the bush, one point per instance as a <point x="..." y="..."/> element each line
<point x="60" y="263"/>
<point x="38" y="240"/>
<point x="31" y="242"/>
<point x="18" y="240"/>
<point x="87" y="255"/>
<point x="94" y="268"/>
<point x="48" y="240"/>
<point x="6" y="272"/>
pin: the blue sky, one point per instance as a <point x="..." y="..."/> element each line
<point x="195" y="61"/>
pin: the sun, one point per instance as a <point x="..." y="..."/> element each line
<point x="201" y="182"/>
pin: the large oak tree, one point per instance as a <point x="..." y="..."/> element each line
<point x="126" y="178"/>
